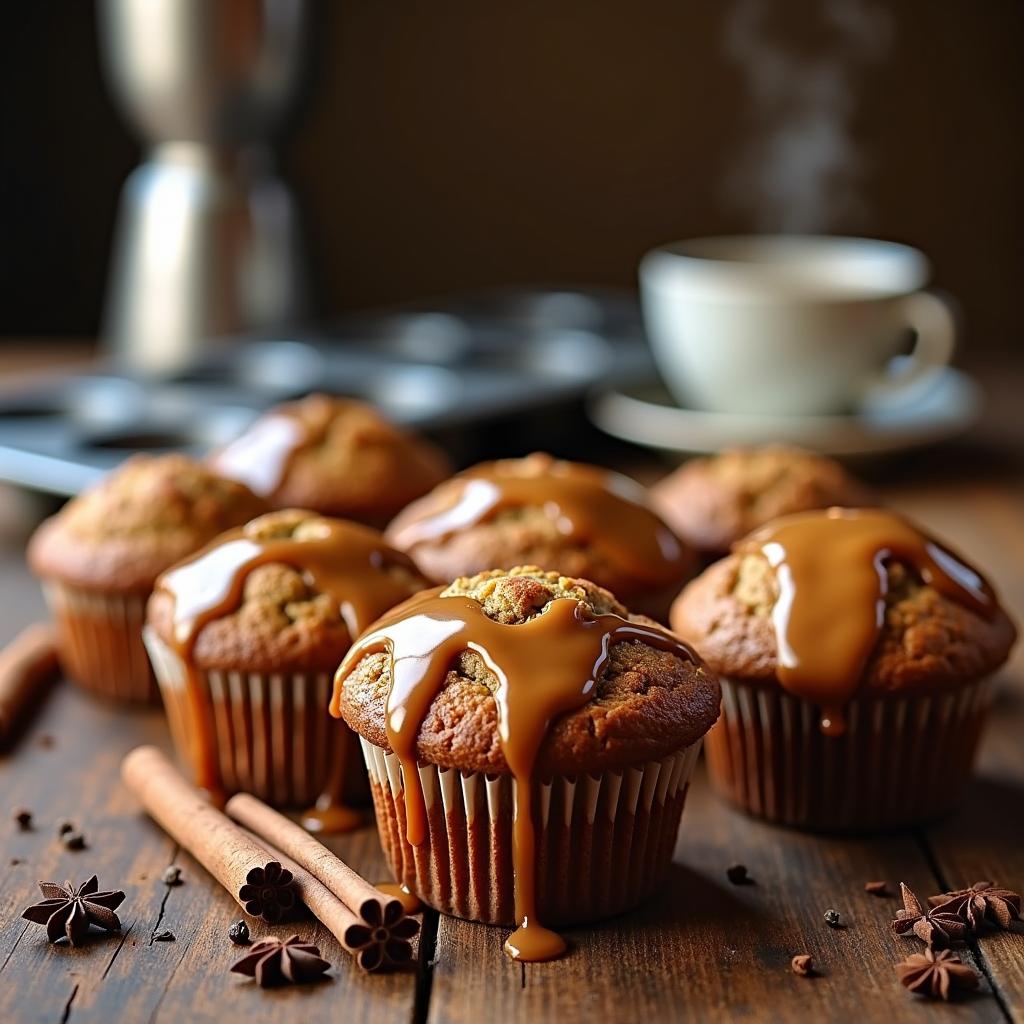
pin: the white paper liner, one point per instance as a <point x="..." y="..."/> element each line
<point x="902" y="760"/>
<point x="101" y="641"/>
<point x="604" y="842"/>
<point x="272" y="733"/>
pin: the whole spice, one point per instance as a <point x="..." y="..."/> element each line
<point x="68" y="912"/>
<point x="268" y="892"/>
<point x="936" y="974"/>
<point x="983" y="904"/>
<point x="384" y="941"/>
<point x="737" y="874"/>
<point x="171" y="875"/>
<point x="802" y="964"/>
<point x="832" y="919"/>
<point x="937" y="926"/>
<point x="238" y="933"/>
<point x="273" y="962"/>
<point x="164" y="937"/>
<point x="23" y="817"/>
<point x="876" y="888"/>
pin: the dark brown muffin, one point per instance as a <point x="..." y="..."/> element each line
<point x="570" y="518"/>
<point x="99" y="556"/>
<point x="245" y="637"/>
<point x="634" y="732"/>
<point x="712" y="502"/>
<point x="336" y="456"/>
<point x="919" y="696"/>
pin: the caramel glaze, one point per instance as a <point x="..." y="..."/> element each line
<point x="589" y="505"/>
<point x="260" y="458"/>
<point x="544" y="667"/>
<point x="830" y="568"/>
<point x="347" y="561"/>
<point x="410" y="901"/>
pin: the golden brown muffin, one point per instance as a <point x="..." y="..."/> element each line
<point x="336" y="456"/>
<point x="712" y="502"/>
<point x="245" y="636"/>
<point x="570" y="518"/>
<point x="904" y="635"/>
<point x="98" y="558"/>
<point x="605" y="776"/>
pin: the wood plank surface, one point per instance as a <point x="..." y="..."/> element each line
<point x="704" y="950"/>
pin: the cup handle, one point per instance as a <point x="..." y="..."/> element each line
<point x="933" y="320"/>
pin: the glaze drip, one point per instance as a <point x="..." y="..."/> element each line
<point x="261" y="456"/>
<point x="830" y="568"/>
<point x="544" y="667"/>
<point x="587" y="504"/>
<point x="352" y="564"/>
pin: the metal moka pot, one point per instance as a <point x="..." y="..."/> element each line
<point x="207" y="240"/>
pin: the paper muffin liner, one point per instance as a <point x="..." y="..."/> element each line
<point x="902" y="760"/>
<point x="101" y="641"/>
<point x="604" y="842"/>
<point x="272" y="733"/>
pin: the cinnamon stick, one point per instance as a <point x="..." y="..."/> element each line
<point x="27" y="664"/>
<point x="364" y="899"/>
<point x="232" y="856"/>
<point x="373" y="947"/>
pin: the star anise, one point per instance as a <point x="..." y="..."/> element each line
<point x="69" y="912"/>
<point x="937" y="926"/>
<point x="936" y="974"/>
<point x="384" y="940"/>
<point x="272" y="961"/>
<point x="983" y="904"/>
<point x="268" y="892"/>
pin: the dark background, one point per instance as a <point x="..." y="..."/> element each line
<point x="461" y="143"/>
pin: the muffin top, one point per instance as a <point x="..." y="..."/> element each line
<point x="148" y="514"/>
<point x="334" y="455"/>
<point x="287" y="592"/>
<point x="712" y="502"/>
<point x="829" y="603"/>
<point x="543" y="633"/>
<point x="572" y="518"/>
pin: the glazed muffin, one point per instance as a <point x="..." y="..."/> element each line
<point x="712" y="502"/>
<point x="566" y="517"/>
<point x="245" y="637"/>
<point x="335" y="456"/>
<point x="99" y="556"/>
<point x="444" y="692"/>
<point x="855" y="654"/>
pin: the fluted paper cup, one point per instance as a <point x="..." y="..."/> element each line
<point x="272" y="733"/>
<point x="100" y="639"/>
<point x="604" y="842"/>
<point x="902" y="760"/>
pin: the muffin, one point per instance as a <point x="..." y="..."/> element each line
<point x="245" y="636"/>
<point x="547" y="804"/>
<point x="335" y="456"/>
<point x="854" y="653"/>
<point x="578" y="520"/>
<point x="98" y="558"/>
<point x="712" y="502"/>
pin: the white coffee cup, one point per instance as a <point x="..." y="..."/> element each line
<point x="791" y="324"/>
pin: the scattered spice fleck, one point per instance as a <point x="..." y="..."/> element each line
<point x="46" y="740"/>
<point x="833" y="919"/>
<point x="23" y="816"/>
<point x="802" y="964"/>
<point x="737" y="874"/>
<point x="238" y="933"/>
<point x="876" y="888"/>
<point x="15" y="861"/>
<point x="65" y="826"/>
<point x="73" y="840"/>
<point x="171" y="875"/>
<point x="165" y="937"/>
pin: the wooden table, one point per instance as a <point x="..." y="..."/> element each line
<point x="703" y="950"/>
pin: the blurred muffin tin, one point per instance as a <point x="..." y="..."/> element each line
<point x="479" y="358"/>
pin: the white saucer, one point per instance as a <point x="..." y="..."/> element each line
<point x="647" y="415"/>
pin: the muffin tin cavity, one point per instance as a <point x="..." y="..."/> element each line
<point x="429" y="366"/>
